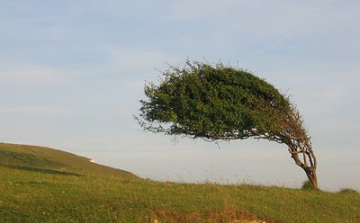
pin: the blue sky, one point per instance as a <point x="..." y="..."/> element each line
<point x="72" y="74"/>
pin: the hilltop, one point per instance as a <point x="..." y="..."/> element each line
<point x="43" y="159"/>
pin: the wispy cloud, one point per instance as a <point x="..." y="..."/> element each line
<point x="40" y="110"/>
<point x="136" y="60"/>
<point x="25" y="74"/>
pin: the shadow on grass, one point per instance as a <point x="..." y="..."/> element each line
<point x="41" y="170"/>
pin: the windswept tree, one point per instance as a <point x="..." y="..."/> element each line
<point x="218" y="102"/>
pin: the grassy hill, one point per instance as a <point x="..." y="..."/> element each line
<point x="42" y="159"/>
<point x="35" y="187"/>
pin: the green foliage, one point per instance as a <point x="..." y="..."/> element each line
<point x="215" y="102"/>
<point x="225" y="103"/>
<point x="307" y="185"/>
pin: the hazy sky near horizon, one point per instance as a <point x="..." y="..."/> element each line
<point x="72" y="74"/>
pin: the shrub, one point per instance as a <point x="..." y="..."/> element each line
<point x="348" y="191"/>
<point x="307" y="185"/>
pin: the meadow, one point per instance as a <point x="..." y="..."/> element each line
<point x="44" y="185"/>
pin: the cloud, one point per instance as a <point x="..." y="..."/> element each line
<point x="40" y="110"/>
<point x="140" y="61"/>
<point x="31" y="22"/>
<point x="204" y="9"/>
<point x="26" y="74"/>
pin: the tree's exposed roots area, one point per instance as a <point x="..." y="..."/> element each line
<point x="227" y="215"/>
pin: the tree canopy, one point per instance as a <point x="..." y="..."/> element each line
<point x="218" y="102"/>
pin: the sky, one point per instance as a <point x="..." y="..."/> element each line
<point x="72" y="74"/>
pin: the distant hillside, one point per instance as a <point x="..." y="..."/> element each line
<point x="42" y="159"/>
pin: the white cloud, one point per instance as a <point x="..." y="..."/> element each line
<point x="136" y="60"/>
<point x="40" y="110"/>
<point x="25" y="74"/>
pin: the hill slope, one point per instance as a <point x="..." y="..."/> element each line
<point x="42" y="159"/>
<point x="44" y="185"/>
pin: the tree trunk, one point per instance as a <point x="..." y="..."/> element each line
<point x="311" y="174"/>
<point x="307" y="157"/>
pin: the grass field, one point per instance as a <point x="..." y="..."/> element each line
<point x="43" y="185"/>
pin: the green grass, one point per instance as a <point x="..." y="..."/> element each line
<point x="44" y="159"/>
<point x="86" y="196"/>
